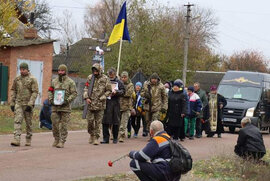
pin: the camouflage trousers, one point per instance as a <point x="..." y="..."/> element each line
<point x="94" y="119"/>
<point x="123" y="125"/>
<point x="20" y="115"/>
<point x="153" y="115"/>
<point x="60" y="122"/>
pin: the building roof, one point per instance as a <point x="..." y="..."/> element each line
<point x="208" y="78"/>
<point x="76" y="52"/>
<point x="27" y="42"/>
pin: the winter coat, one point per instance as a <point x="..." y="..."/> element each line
<point x="112" y="111"/>
<point x="177" y="105"/>
<point x="126" y="100"/>
<point x="202" y="94"/>
<point x="66" y="84"/>
<point x="195" y="105"/>
<point x="159" y="98"/>
<point x="101" y="90"/>
<point x="250" y="139"/>
<point x="156" y="152"/>
<point x="46" y="111"/>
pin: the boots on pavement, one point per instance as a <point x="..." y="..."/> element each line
<point x="55" y="143"/>
<point x="91" y="140"/>
<point x="15" y="142"/>
<point x="60" y="145"/>
<point x="95" y="142"/>
<point x="28" y="142"/>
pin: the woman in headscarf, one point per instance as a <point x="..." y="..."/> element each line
<point x="177" y="109"/>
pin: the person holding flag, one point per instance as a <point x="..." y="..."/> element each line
<point x="120" y="32"/>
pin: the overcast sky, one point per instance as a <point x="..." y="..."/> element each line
<point x="243" y="24"/>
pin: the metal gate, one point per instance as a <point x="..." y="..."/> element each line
<point x="3" y="82"/>
<point x="36" y="69"/>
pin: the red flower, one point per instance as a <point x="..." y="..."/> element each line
<point x="87" y="84"/>
<point x="110" y="163"/>
<point x="51" y="89"/>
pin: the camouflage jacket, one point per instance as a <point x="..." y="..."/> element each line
<point x="101" y="90"/>
<point x="24" y="90"/>
<point x="126" y="100"/>
<point x="159" y="98"/>
<point x="69" y="86"/>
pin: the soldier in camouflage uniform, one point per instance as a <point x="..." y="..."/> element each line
<point x="96" y="101"/>
<point x="125" y="105"/>
<point x="156" y="99"/>
<point x="24" y="93"/>
<point x="61" y="113"/>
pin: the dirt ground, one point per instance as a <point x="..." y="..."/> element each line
<point x="79" y="159"/>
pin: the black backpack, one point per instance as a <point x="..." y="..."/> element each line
<point x="181" y="161"/>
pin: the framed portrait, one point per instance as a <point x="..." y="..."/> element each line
<point x="114" y="85"/>
<point x="59" y="97"/>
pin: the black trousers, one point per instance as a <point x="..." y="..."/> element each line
<point x="146" y="171"/>
<point x="198" y="127"/>
<point x="249" y="154"/>
<point x="136" y="123"/>
<point x="106" y="132"/>
<point x="129" y="124"/>
<point x="173" y="131"/>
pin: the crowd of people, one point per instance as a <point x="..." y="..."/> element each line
<point x="118" y="106"/>
<point x="115" y="104"/>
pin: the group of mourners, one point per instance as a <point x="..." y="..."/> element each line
<point x="167" y="111"/>
<point x="118" y="106"/>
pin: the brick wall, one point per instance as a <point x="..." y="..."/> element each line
<point x="5" y="56"/>
<point x="41" y="52"/>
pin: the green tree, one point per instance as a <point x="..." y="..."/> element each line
<point x="9" y="14"/>
<point x="8" y="20"/>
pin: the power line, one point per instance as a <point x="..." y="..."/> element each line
<point x="72" y="7"/>
<point x="244" y="31"/>
<point x="243" y="12"/>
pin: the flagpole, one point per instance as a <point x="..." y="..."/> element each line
<point x="119" y="57"/>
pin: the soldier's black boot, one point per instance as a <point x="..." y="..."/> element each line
<point x="105" y="141"/>
<point x="115" y="141"/>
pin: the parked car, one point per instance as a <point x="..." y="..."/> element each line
<point x="247" y="94"/>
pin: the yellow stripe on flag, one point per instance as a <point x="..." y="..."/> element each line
<point x="117" y="32"/>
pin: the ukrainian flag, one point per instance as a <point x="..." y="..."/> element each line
<point x="120" y="29"/>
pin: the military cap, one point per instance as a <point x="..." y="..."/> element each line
<point x="24" y="66"/>
<point x="63" y="67"/>
<point x="154" y="76"/>
<point x="125" y="73"/>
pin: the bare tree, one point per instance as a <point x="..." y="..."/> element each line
<point x="68" y="31"/>
<point x="101" y="18"/>
<point x="44" y="23"/>
<point x="247" y="60"/>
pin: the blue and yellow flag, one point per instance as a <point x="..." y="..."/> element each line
<point x="120" y="29"/>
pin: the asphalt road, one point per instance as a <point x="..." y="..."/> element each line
<point x="79" y="159"/>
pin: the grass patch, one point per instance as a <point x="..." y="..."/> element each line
<point x="116" y="177"/>
<point x="219" y="168"/>
<point x="7" y="121"/>
<point x="231" y="168"/>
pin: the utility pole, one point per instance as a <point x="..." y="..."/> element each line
<point x="186" y="42"/>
